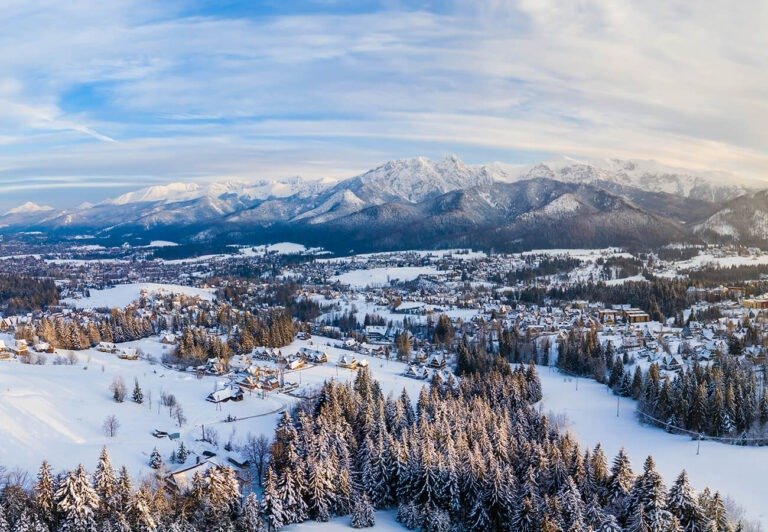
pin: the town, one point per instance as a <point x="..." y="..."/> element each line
<point x="190" y="362"/>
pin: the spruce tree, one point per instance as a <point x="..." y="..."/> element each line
<point x="105" y="484"/>
<point x="155" y="460"/>
<point x="362" y="512"/>
<point x="77" y="502"/>
<point x="272" y="504"/>
<point x="43" y="493"/>
<point x="251" y="521"/>
<point x="138" y="395"/>
<point x="682" y="502"/>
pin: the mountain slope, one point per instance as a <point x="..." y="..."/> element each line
<point x="649" y="176"/>
<point x="419" y="202"/>
<point x="744" y="220"/>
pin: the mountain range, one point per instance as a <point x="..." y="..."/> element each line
<point x="428" y="204"/>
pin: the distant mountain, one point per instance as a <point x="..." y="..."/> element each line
<point x="743" y="220"/>
<point x="420" y="202"/>
<point x="649" y="176"/>
<point x="28" y="208"/>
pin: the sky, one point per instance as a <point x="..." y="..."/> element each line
<point x="97" y="98"/>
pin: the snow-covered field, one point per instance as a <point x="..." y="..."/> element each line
<point x="363" y="307"/>
<point x="385" y="520"/>
<point x="56" y="412"/>
<point x="739" y="472"/>
<point x="124" y="294"/>
<point x="382" y="276"/>
<point x="722" y="261"/>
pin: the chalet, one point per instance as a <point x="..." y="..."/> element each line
<point x="106" y="347"/>
<point x="181" y="480"/>
<point x="128" y="353"/>
<point x="20" y="348"/>
<point x="269" y="382"/>
<point x="437" y="361"/>
<point x="43" y="347"/>
<point x="168" y="339"/>
<point x="376" y="334"/>
<point x="230" y="392"/>
<point x="412" y="372"/>
<point x="295" y="363"/>
<point x="348" y="361"/>
<point x="249" y="382"/>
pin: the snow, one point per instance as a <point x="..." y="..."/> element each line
<point x="738" y="472"/>
<point x="385" y="520"/>
<point x="258" y="189"/>
<point x="382" y="276"/>
<point x="56" y="412"/>
<point x="124" y="294"/>
<point x="161" y="244"/>
<point x="29" y="207"/>
<point x="632" y="279"/>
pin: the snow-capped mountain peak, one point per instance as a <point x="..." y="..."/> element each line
<point x="28" y="208"/>
<point x="418" y="178"/>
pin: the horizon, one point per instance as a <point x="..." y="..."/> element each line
<point x="105" y="99"/>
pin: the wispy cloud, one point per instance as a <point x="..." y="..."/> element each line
<point x="160" y="91"/>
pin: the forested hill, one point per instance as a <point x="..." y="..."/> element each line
<point x="20" y="293"/>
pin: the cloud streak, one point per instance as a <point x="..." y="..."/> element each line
<point x="163" y="91"/>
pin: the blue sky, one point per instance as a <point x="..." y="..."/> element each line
<point x="97" y="98"/>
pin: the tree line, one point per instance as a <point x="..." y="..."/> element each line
<point x="21" y="293"/>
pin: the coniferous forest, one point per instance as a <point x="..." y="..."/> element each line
<point x="471" y="455"/>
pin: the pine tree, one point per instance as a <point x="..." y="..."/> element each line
<point x="525" y="517"/>
<point x="124" y="490"/>
<point x="140" y="511"/>
<point x="637" y="521"/>
<point x="77" y="502"/>
<point x="272" y="505"/>
<point x="619" y="484"/>
<point x="408" y="515"/>
<point x="138" y="395"/>
<point x="155" y="460"/>
<point x="182" y="453"/>
<point x="290" y="490"/>
<point x="362" y="512"/>
<point x="44" y="494"/>
<point x="251" y="521"/>
<point x="105" y="483"/>
<point x="319" y="489"/>
<point x="718" y="515"/>
<point x="683" y="504"/>
<point x="4" y="526"/>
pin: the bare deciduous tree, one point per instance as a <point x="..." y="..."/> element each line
<point x="256" y="450"/>
<point x="111" y="426"/>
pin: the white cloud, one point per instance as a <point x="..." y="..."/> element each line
<point x="318" y="94"/>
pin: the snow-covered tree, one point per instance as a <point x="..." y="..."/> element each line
<point x="363" y="515"/>
<point x="138" y="395"/>
<point x="141" y="511"/>
<point x="251" y="521"/>
<point x="105" y="483"/>
<point x="77" y="502"/>
<point x="43" y="493"/>
<point x="272" y="504"/>
<point x="682" y="502"/>
<point x="155" y="460"/>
